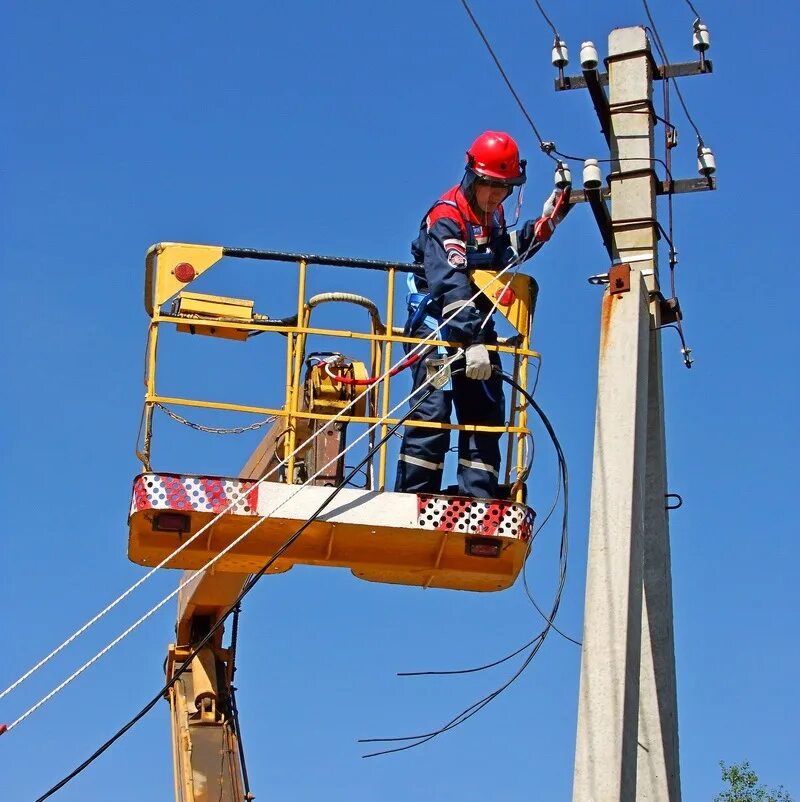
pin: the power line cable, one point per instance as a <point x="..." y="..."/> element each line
<point x="547" y="147"/>
<point x="673" y="258"/>
<point x="694" y="10"/>
<point x="662" y="50"/>
<point x="547" y="20"/>
<point x="465" y="714"/>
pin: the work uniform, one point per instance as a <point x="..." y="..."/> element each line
<point x="453" y="240"/>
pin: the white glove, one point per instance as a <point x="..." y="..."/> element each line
<point x="550" y="204"/>
<point x="544" y="227"/>
<point x="478" y="365"/>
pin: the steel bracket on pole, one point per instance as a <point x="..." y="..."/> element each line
<point x="677" y="187"/>
<point x="599" y="101"/>
<point x="683" y="70"/>
<point x="603" y="219"/>
<point x="619" y="279"/>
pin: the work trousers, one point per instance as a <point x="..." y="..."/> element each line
<point x="423" y="450"/>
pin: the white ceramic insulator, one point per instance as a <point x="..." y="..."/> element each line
<point x="563" y="176"/>
<point x="701" y="39"/>
<point x="706" y="163"/>
<point x="589" y="56"/>
<point x="591" y="174"/>
<point x="560" y="56"/>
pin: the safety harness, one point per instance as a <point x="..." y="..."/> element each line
<point x="416" y="301"/>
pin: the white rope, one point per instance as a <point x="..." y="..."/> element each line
<point x="235" y="500"/>
<point x="221" y="554"/>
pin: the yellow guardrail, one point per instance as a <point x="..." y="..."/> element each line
<point x="170" y="268"/>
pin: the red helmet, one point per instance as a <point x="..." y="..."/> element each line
<point x="494" y="156"/>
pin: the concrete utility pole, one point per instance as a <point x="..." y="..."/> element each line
<point x="627" y="738"/>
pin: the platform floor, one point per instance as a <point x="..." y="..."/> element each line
<point x="401" y="538"/>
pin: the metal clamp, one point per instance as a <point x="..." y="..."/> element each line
<point x="437" y="370"/>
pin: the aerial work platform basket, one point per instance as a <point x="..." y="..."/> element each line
<point x="402" y="538"/>
<point x="236" y="524"/>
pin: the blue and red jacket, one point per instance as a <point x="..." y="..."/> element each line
<point x="452" y="241"/>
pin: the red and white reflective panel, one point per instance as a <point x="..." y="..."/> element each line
<point x="165" y="491"/>
<point x="209" y="494"/>
<point x="475" y="516"/>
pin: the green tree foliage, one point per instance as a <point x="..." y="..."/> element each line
<point x="743" y="786"/>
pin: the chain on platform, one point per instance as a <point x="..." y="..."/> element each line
<point x="214" y="429"/>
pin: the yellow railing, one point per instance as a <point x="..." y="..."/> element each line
<point x="171" y="267"/>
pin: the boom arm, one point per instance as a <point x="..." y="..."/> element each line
<point x="204" y="738"/>
<point x="205" y="748"/>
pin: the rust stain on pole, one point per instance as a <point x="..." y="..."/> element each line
<point x="606" y="315"/>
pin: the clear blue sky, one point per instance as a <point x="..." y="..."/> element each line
<point x="330" y="127"/>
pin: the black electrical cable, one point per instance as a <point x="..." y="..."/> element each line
<point x="237" y="729"/>
<point x="663" y="53"/>
<point x="512" y="381"/>
<point x="547" y="20"/>
<point x="668" y="145"/>
<point x="535" y="644"/>
<point x="685" y="350"/>
<point x="631" y="107"/>
<point x="363" y="472"/>
<point x="544" y="615"/>
<point x="538" y="373"/>
<point x="455" y="671"/>
<point x="668" y="166"/>
<point x="250" y="584"/>
<point x="694" y="10"/>
<point x="459" y="719"/>
<point x="525" y="567"/>
<point x="545" y="146"/>
<point x="652" y="160"/>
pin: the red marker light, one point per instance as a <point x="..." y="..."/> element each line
<point x="505" y="296"/>
<point x="482" y="546"/>
<point x="184" y="272"/>
<point x="170" y="522"/>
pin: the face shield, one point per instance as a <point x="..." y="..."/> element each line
<point x="485" y="194"/>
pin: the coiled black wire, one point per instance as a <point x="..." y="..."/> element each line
<point x="534" y="645"/>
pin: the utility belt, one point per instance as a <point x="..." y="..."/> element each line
<point x="417" y="305"/>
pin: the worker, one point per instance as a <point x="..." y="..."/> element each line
<point x="466" y="229"/>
